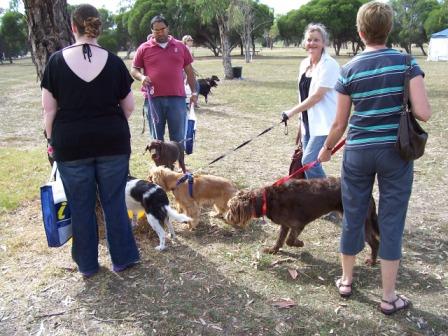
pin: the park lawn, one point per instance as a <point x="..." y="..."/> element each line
<point x="216" y="280"/>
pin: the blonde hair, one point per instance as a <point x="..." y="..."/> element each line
<point x="186" y="38"/>
<point x="375" y="21"/>
<point x="87" y="20"/>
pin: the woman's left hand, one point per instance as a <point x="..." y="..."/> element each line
<point x="324" y="155"/>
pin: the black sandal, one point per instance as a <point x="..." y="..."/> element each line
<point x="406" y="304"/>
<point x="339" y="284"/>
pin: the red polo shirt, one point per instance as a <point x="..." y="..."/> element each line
<point x="164" y="66"/>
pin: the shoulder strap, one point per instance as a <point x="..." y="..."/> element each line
<point x="407" y="78"/>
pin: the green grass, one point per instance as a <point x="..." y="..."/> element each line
<point x="21" y="174"/>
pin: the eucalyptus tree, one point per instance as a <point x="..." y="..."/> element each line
<point x="218" y="10"/>
<point x="48" y="28"/>
<point x="410" y="16"/>
<point x="14" y="35"/>
<point x="437" y="19"/>
<point x="246" y="17"/>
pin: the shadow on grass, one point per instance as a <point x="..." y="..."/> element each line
<point x="181" y="292"/>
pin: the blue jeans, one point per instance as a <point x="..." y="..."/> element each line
<point x="395" y="177"/>
<point x="82" y="179"/>
<point x="311" y="148"/>
<point x="166" y="110"/>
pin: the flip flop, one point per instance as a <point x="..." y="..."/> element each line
<point x="406" y="304"/>
<point x="339" y="284"/>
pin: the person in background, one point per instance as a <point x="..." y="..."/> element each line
<point x="87" y="100"/>
<point x="188" y="41"/>
<point x="318" y="75"/>
<point x="373" y="83"/>
<point x="159" y="64"/>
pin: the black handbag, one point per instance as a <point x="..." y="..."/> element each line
<point x="411" y="139"/>
<point x="296" y="160"/>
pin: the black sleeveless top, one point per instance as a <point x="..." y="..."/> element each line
<point x="89" y="121"/>
<point x="304" y="89"/>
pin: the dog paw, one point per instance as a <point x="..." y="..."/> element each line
<point x="370" y="262"/>
<point x="296" y="243"/>
<point x="270" y="250"/>
<point x="160" y="248"/>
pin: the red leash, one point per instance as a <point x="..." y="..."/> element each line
<point x="304" y="168"/>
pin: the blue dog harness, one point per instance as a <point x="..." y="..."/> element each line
<point x="190" y="178"/>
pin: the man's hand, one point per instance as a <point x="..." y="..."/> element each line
<point x="194" y="98"/>
<point x="146" y="81"/>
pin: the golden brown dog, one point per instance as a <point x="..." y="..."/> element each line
<point x="207" y="190"/>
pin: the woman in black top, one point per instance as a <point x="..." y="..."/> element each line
<point x="87" y="99"/>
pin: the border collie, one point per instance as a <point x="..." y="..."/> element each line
<point x="146" y="196"/>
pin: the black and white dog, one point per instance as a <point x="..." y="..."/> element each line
<point x="146" y="196"/>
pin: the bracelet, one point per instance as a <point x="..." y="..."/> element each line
<point x="194" y="93"/>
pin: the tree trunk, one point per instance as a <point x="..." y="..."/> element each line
<point x="223" y="25"/>
<point x="49" y="29"/>
<point x="422" y="49"/>
<point x="247" y="42"/>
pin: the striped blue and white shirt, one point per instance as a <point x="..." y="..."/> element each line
<point x="374" y="80"/>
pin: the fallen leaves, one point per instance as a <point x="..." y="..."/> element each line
<point x="284" y="303"/>
<point x="293" y="273"/>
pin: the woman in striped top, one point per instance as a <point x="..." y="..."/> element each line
<point x="373" y="83"/>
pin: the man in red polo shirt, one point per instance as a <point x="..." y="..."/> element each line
<point x="159" y="64"/>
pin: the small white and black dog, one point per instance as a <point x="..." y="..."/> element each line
<point x="146" y="196"/>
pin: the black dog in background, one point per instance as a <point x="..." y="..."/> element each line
<point x="205" y="85"/>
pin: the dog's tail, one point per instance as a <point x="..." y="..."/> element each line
<point x="173" y="214"/>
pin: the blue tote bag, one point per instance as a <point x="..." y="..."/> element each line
<point x="190" y="133"/>
<point x="55" y="210"/>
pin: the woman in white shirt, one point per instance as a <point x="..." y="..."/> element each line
<point x="318" y="75"/>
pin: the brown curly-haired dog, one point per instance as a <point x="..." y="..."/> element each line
<point x="207" y="190"/>
<point x="293" y="205"/>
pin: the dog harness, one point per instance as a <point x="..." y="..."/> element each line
<point x="190" y="178"/>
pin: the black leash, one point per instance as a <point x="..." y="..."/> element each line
<point x="245" y="143"/>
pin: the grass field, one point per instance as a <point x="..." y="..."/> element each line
<point x="216" y="280"/>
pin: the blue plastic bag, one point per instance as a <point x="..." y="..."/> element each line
<point x="191" y="131"/>
<point x="55" y="211"/>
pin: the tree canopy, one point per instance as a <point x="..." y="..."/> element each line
<point x="13" y="35"/>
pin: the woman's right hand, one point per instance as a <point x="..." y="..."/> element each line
<point x="324" y="155"/>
